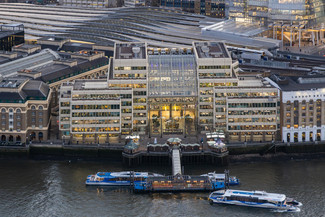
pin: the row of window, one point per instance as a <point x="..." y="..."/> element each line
<point x="240" y="120"/>
<point x="95" y="129"/>
<point x="228" y="84"/>
<point x="208" y="75"/>
<point x="95" y="114"/>
<point x="130" y="68"/>
<point x="251" y="105"/>
<point x="75" y="122"/>
<point x="84" y="107"/>
<point x="253" y="112"/>
<point x="254" y="94"/>
<point x="130" y="75"/>
<point x="3" y="110"/>
<point x="134" y="86"/>
<point x="253" y="127"/>
<point x="215" y="67"/>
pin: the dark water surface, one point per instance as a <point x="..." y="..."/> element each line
<point x="56" y="188"/>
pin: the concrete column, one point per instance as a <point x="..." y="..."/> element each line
<point x="307" y="135"/>
<point x="282" y="35"/>
<point x="299" y="136"/>
<point x="292" y="139"/>
<point x="317" y="40"/>
<point x="291" y="36"/>
<point x="273" y="31"/>
<point x="299" y="35"/>
<point x="313" y="37"/>
<point x="107" y="138"/>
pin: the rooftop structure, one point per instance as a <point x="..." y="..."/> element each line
<point x="211" y="50"/>
<point x="35" y="60"/>
<point x="155" y="26"/>
<point x="130" y="51"/>
<point x="11" y="35"/>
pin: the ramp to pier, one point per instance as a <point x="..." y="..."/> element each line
<point x="176" y="158"/>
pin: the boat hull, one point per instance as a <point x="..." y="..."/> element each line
<point x="127" y="183"/>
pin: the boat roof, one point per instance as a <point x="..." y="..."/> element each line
<point x="216" y="175"/>
<point x="260" y="194"/>
<point x="124" y="173"/>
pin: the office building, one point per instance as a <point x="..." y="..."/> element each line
<point x="302" y="107"/>
<point x="166" y="91"/>
<point x="25" y="110"/>
<point x="212" y="8"/>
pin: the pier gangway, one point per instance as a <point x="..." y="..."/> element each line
<point x="176" y="160"/>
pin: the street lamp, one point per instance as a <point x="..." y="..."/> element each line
<point x="63" y="139"/>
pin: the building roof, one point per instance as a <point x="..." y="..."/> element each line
<point x="58" y="71"/>
<point x="211" y="50"/>
<point x="157" y="26"/>
<point x="297" y="83"/>
<point x="11" y="68"/>
<point x="130" y="51"/>
<point x="19" y="90"/>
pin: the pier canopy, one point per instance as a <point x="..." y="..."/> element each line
<point x="131" y="146"/>
<point x="190" y="147"/>
<point x="158" y="147"/>
<point x="174" y="141"/>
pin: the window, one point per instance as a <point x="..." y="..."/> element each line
<point x="18" y="111"/>
<point x="40" y="108"/>
<point x="33" y="107"/>
<point x="11" y="110"/>
<point x="3" y="110"/>
<point x="40" y="113"/>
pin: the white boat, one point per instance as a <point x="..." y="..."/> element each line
<point x="233" y="180"/>
<point x="118" y="178"/>
<point x="260" y="199"/>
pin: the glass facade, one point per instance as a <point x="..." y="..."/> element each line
<point x="172" y="75"/>
<point x="297" y="12"/>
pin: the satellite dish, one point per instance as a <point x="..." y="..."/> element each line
<point x="205" y="49"/>
<point x="136" y="50"/>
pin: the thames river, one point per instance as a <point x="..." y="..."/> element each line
<point x="56" y="188"/>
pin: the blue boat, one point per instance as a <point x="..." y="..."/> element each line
<point x="233" y="180"/>
<point x="118" y="178"/>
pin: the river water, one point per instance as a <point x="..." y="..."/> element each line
<point x="56" y="188"/>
